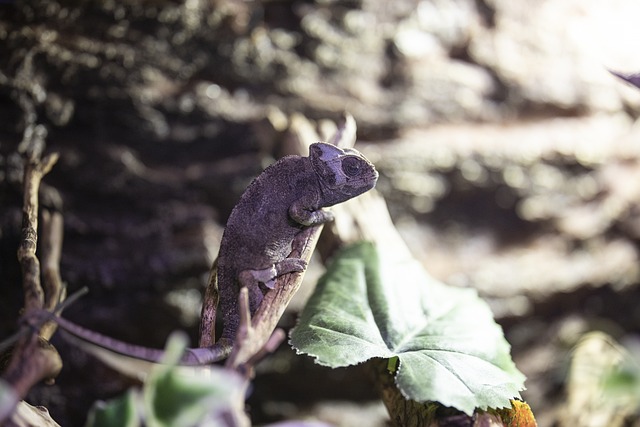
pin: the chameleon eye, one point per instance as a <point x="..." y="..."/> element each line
<point x="351" y="166"/>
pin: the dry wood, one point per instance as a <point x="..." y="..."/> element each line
<point x="33" y="359"/>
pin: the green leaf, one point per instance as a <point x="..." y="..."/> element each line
<point x="176" y="396"/>
<point x="119" y="412"/>
<point x="621" y="381"/>
<point x="449" y="347"/>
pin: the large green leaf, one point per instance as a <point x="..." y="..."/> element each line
<point x="385" y="305"/>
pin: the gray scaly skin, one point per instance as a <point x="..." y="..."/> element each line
<point x="286" y="198"/>
<point x="282" y="201"/>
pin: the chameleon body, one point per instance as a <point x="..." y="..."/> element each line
<point x="285" y="198"/>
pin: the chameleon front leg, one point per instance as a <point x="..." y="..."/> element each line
<point x="268" y="276"/>
<point x="302" y="213"/>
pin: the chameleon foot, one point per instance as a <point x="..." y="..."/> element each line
<point x="268" y="276"/>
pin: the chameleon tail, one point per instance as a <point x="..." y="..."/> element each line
<point x="133" y="360"/>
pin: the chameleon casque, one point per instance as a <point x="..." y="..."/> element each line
<point x="284" y="199"/>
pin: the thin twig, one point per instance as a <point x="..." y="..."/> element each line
<point x="66" y="302"/>
<point x="345" y="136"/>
<point x="51" y="246"/>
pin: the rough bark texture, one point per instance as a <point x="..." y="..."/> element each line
<point x="507" y="151"/>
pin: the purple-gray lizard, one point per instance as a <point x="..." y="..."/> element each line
<point x="287" y="197"/>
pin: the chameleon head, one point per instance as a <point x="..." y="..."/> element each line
<point x="344" y="173"/>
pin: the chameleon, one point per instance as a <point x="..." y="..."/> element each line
<point x="283" y="200"/>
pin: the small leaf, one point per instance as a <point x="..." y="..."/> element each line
<point x="392" y="365"/>
<point x="119" y="412"/>
<point x="449" y="347"/>
<point x="177" y="396"/>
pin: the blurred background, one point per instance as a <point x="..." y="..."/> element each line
<point x="509" y="158"/>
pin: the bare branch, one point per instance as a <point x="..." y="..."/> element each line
<point x="34" y="171"/>
<point x="345" y="136"/>
<point x="51" y="246"/>
<point x="33" y="358"/>
<point x="32" y="361"/>
<point x="209" y="309"/>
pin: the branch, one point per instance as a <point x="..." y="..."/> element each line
<point x="34" y="171"/>
<point x="54" y="290"/>
<point x="209" y="309"/>
<point x="33" y="359"/>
